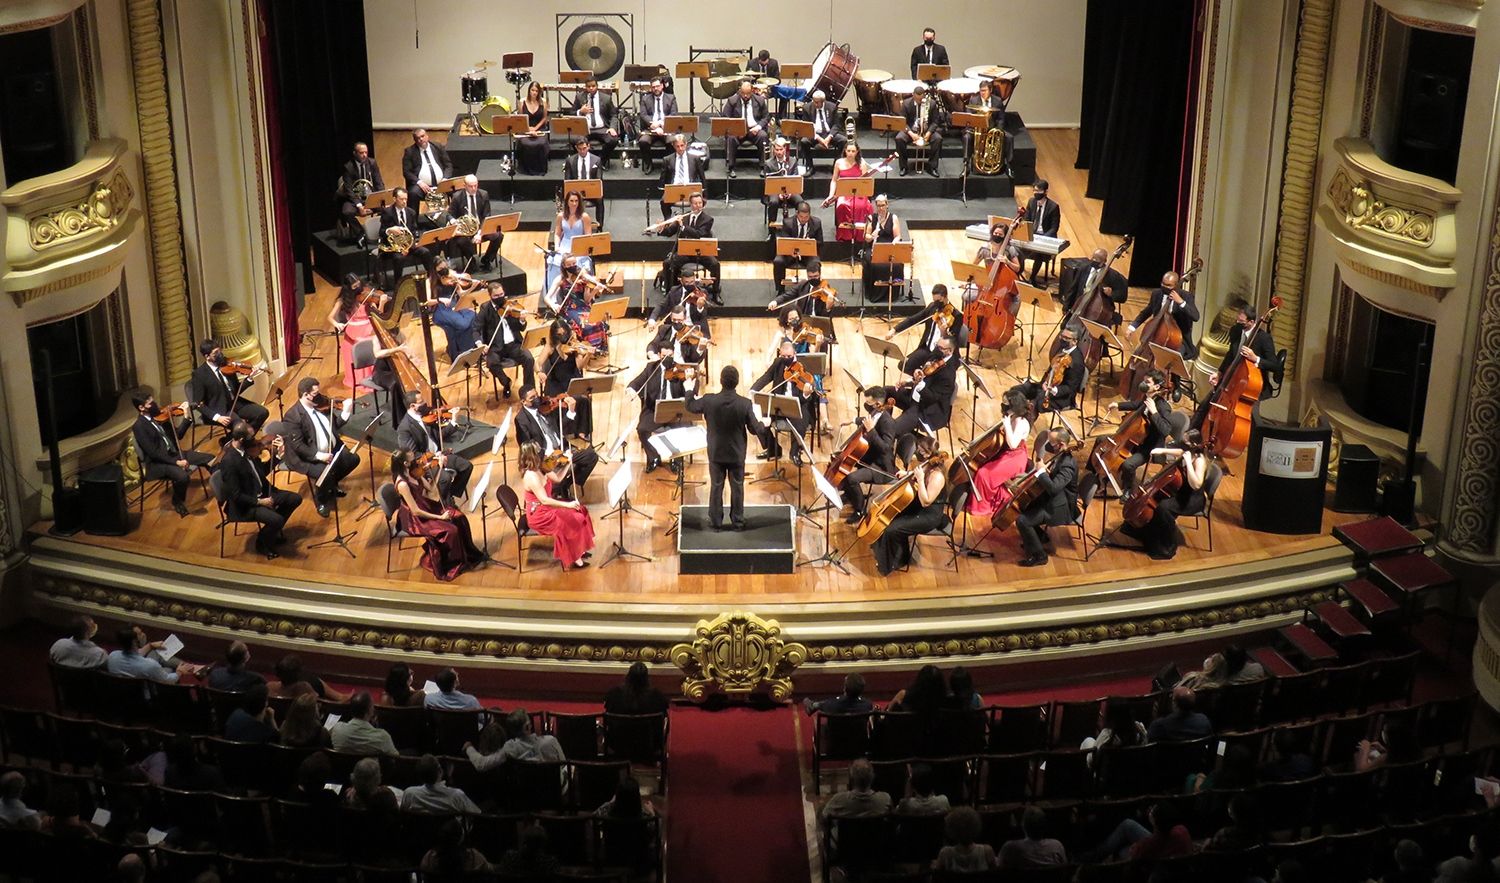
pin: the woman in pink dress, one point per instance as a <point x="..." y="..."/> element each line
<point x="566" y="521"/>
<point x="851" y="211"/>
<point x="990" y="494"/>
<point x="447" y="545"/>
<point x="351" y="319"/>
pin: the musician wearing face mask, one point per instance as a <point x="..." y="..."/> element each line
<point x="929" y="51"/>
<point x="655" y="108"/>
<point x="927" y="403"/>
<point x="316" y="443"/>
<point x="940" y="320"/>
<point x="1160" y="535"/>
<point x="220" y="394"/>
<point x="878" y="466"/>
<point x="1046" y="219"/>
<point x="159" y="450"/>
<point x="249" y="494"/>
<point x="778" y="165"/>
<point x="828" y="134"/>
<point x="417" y="435"/>
<point x="809" y="306"/>
<point x="545" y="426"/>
<point x="1261" y="352"/>
<point x="1063" y="379"/>
<point x="989" y="104"/>
<point x="802" y="225"/>
<point x="683" y="314"/>
<point x="501" y="334"/>
<point x="774" y="380"/>
<point x="751" y="108"/>
<point x="1180" y="306"/>
<point x="473" y="202"/>
<point x="562" y="363"/>
<point x="1110" y="282"/>
<point x="892" y="549"/>
<point x="651" y="386"/>
<point x="360" y="178"/>
<point x="689" y="295"/>
<point x="804" y="339"/>
<point x="424" y="165"/>
<point x="990" y="251"/>
<point x="599" y="110"/>
<point x="1058" y="503"/>
<point x="1157" y="408"/>
<point x="924" y="128"/>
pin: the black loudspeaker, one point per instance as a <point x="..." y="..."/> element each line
<point x="103" y="490"/>
<point x="1359" y="475"/>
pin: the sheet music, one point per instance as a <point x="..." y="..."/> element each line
<point x="619" y="483"/>
<point x="829" y="492"/>
<point x="502" y="432"/>
<point x="680" y="440"/>
<point x="332" y="459"/>
<point x="615" y="449"/>
<point x="477" y="494"/>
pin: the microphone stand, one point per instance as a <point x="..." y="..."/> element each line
<point x="339" y="538"/>
<point x="372" y="503"/>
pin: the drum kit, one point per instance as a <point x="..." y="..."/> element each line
<point x="475" y="86"/>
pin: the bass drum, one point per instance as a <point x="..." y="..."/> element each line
<point x="493" y="106"/>
<point x="833" y="71"/>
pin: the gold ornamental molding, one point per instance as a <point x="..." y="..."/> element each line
<point x="1486" y="656"/>
<point x="101" y="211"/>
<point x="739" y="653"/>
<point x="1389" y="224"/>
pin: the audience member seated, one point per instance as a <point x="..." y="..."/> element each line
<point x="1231" y="666"/>
<point x="129" y="661"/>
<point x="635" y="695"/>
<point x="357" y="734"/>
<point x="62" y="819"/>
<point x="1243" y="830"/>
<point x="1131" y="840"/>
<point x="128" y="824"/>
<point x="1034" y="849"/>
<point x="1121" y="729"/>
<point x="1291" y="871"/>
<point x="448" y="697"/>
<point x="14" y="813"/>
<point x="314" y="774"/>
<point x="78" y="649"/>
<point x="861" y="799"/>
<point x="926" y="694"/>
<point x="962" y="854"/>
<point x="131" y="869"/>
<point x="451" y="858"/>
<point x="185" y="772"/>
<point x="627" y="802"/>
<point x="365" y="790"/>
<point x="922" y="801"/>
<point x="253" y="721"/>
<point x="961" y="693"/>
<point x="303" y="727"/>
<point x="1182" y="722"/>
<point x="399" y="689"/>
<point x="115" y="765"/>
<point x="524" y="744"/>
<point x="434" y="795"/>
<point x="532" y="856"/>
<point x="1482" y="862"/>
<point x="1290" y="758"/>
<point x="1411" y="864"/>
<point x="289" y="674"/>
<point x="851" y="701"/>
<point x="1397" y="744"/>
<point x="233" y="674"/>
<point x="1236" y="771"/>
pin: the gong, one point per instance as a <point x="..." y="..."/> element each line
<point x="595" y="47"/>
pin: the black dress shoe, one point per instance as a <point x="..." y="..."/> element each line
<point x="738" y="526"/>
<point x="1034" y="561"/>
<point x="933" y="171"/>
<point x="716" y="527"/>
<point x="731" y="173"/>
<point x="855" y="518"/>
<point x="337" y="492"/>
<point x="180" y="509"/>
<point x="651" y="467"/>
<point x="505" y="392"/>
<point x="322" y="509"/>
<point x="904" y="173"/>
<point x="797" y="459"/>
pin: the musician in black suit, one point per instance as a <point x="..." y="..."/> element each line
<point x="751" y="108"/>
<point x="763" y="65"/>
<point x="827" y="133"/>
<point x="729" y="417"/>
<point x="924" y="128"/>
<point x="933" y="331"/>
<point x="655" y="108"/>
<point x="929" y="51"/>
<point x="360" y="168"/>
<point x="419" y="437"/>
<point x="696" y="223"/>
<point x="1180" y="305"/>
<point x="774" y="380"/>
<point x="599" y="110"/>
<point x="680" y="167"/>
<point x="313" y="446"/>
<point x="1059" y="396"/>
<point x="473" y="201"/>
<point x="424" y="165"/>
<point x="1158" y="417"/>
<point x="1058" y="504"/>
<point x="1261" y="352"/>
<point x="683" y="305"/>
<point x="159" y="451"/>
<point x="778" y="165"/>
<point x="1046" y="218"/>
<point x="584" y="166"/>
<point x="802" y="225"/>
<point x="878" y="466"/>
<point x="810" y="306"/>
<point x="651" y="386"/>
<point x="402" y="213"/>
<point x="219" y="396"/>
<point x="543" y="430"/>
<point x="989" y="103"/>
<point x="928" y="403"/>
<point x="1111" y="283"/>
<point x="502" y="337"/>
<point x="249" y="496"/>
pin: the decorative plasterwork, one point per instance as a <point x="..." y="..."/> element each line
<point x="100" y="211"/>
<point x="1447" y="16"/>
<point x="1392" y="225"/>
<point x="738" y="653"/>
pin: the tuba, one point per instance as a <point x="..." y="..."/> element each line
<point x="398" y="240"/>
<point x="989" y="151"/>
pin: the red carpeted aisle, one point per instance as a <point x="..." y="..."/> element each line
<point x="735" y="800"/>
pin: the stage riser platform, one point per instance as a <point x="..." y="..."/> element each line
<point x="766" y="545"/>
<point x="332" y="260"/>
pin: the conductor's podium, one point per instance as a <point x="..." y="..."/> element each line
<point x="766" y="545"/>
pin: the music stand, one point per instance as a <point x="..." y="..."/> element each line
<point x="512" y="125"/>
<point x="575" y="78"/>
<point x="818" y="365"/>
<point x="602" y="384"/>
<point x="724" y="127"/>
<point x="570" y="127"/>
<point x="698" y="248"/>
<point x="467" y="361"/>
<point x="603" y="311"/>
<point x="886" y="350"/>
<point x="976" y="386"/>
<point x="973" y="122"/>
<point x="367" y="437"/>
<point x="794" y="131"/>
<point x="1103" y="333"/>
<point x="339" y="538"/>
<point x="674" y="194"/>
<point x="776" y="407"/>
<point x="780" y="186"/>
<point x="832" y="503"/>
<point x="1171" y="362"/>
<point x="438" y="237"/>
<point x="588" y="190"/>
<point x="595" y="245"/>
<point x="678" y="444"/>
<point x="680" y="125"/>
<point x="505" y="223"/>
<point x="692" y="71"/>
<point x="930" y="73"/>
<point x="891" y="254"/>
<point x="671" y="413"/>
<point x="890" y="125"/>
<point x="619" y="498"/>
<point x="532" y="338"/>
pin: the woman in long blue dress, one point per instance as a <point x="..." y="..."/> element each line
<point x="443" y="298"/>
<point x="571" y="221"/>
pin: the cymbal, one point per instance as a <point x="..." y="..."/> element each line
<point x="729" y="80"/>
<point x="483" y="63"/>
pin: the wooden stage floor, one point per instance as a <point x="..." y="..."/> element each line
<point x="192" y="541"/>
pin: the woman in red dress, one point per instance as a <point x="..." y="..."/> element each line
<point x="990" y="494"/>
<point x="851" y="211"/>
<point x="351" y="319"/>
<point x="447" y="545"/>
<point x="566" y="521"/>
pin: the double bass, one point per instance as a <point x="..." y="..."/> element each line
<point x="1224" y="417"/>
<point x="1095" y="307"/>
<point x="991" y="315"/>
<point x="1161" y="330"/>
<point x="1026" y="488"/>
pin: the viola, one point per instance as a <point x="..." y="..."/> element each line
<point x="437" y="415"/>
<point x="1094" y="306"/>
<point x="991" y="314"/>
<point x="557" y="460"/>
<point x="165" y="414"/>
<point x="796" y="373"/>
<point x="692" y="335"/>
<point x="423" y="467"/>
<point x="1224" y="417"/>
<point x="1161" y="330"/>
<point x="681" y="372"/>
<point x="243" y="369"/>
<point x="327" y="405"/>
<point x="825" y="294"/>
<point x="549" y="404"/>
<point x="810" y="336"/>
<point x="1026" y="488"/>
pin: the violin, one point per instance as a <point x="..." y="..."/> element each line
<point x="514" y="310"/>
<point x="810" y="336"/>
<point x="944" y="317"/>
<point x="557" y="460"/>
<point x="926" y="370"/>
<point x="243" y="369"/>
<point x="825" y="294"/>
<point x="166" y="413"/>
<point x="1055" y="376"/>
<point x="796" y="373"/>
<point x="681" y="372"/>
<point x="549" y="404"/>
<point x="327" y="405"/>
<point x="436" y="415"/>
<point x="576" y="347"/>
<point x="423" y="467"/>
<point x="692" y="335"/>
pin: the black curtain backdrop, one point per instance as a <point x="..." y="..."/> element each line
<point x="1136" y="72"/>
<point x="322" y="103"/>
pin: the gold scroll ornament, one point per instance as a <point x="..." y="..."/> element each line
<point x="739" y="653"/>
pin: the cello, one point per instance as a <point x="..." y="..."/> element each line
<point x="1140" y="504"/>
<point x="853" y="453"/>
<point x="1026" y="489"/>
<point x="991" y="314"/>
<point x="1224" y="417"/>
<point x="1110" y="452"/>
<point x="1161" y="330"/>
<point x="894" y="498"/>
<point x="1095" y="307"/>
